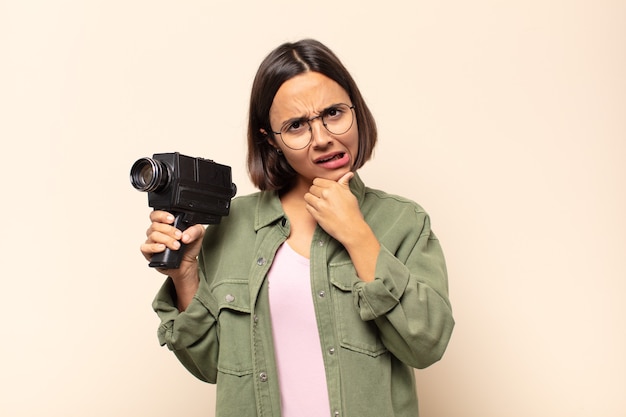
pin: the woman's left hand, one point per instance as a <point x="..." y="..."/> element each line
<point x="334" y="207"/>
<point x="337" y="211"/>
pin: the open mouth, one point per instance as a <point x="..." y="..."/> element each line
<point x="331" y="158"/>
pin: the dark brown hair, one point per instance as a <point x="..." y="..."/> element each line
<point x="267" y="169"/>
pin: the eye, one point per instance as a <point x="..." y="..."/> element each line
<point x="295" y="126"/>
<point x="332" y="113"/>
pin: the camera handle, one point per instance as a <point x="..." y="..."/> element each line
<point x="170" y="259"/>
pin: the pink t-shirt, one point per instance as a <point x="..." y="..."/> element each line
<point x="301" y="374"/>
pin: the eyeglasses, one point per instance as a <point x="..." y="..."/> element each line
<point x="297" y="133"/>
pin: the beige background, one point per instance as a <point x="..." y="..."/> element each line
<point x="504" y="119"/>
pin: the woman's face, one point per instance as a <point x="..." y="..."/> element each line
<point x="328" y="155"/>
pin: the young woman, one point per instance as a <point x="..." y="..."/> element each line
<point x="316" y="296"/>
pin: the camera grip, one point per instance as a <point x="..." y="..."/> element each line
<point x="170" y="259"/>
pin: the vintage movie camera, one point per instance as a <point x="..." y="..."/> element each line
<point x="194" y="190"/>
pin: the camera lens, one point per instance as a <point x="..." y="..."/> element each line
<point x="148" y="174"/>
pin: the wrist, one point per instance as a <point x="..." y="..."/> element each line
<point x="186" y="282"/>
<point x="363" y="252"/>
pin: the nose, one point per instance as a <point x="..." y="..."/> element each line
<point x="319" y="134"/>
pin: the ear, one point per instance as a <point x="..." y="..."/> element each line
<point x="269" y="138"/>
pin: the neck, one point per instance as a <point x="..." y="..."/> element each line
<point x="302" y="223"/>
<point x="296" y="191"/>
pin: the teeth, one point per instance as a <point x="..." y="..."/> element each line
<point x="339" y="155"/>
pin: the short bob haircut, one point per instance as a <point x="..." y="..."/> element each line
<point x="267" y="169"/>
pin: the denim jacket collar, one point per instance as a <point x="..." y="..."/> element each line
<point x="270" y="210"/>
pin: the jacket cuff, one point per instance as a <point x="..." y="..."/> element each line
<point x="178" y="329"/>
<point x="377" y="298"/>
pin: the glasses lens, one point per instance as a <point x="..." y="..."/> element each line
<point x="338" y="119"/>
<point x="296" y="134"/>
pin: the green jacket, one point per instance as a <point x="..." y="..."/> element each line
<point x="373" y="334"/>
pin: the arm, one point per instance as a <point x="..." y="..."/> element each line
<point x="402" y="279"/>
<point x="337" y="211"/>
<point x="189" y="334"/>
<point x="162" y="234"/>
<point x="188" y="326"/>
<point x="408" y="300"/>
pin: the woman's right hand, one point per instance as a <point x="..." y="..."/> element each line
<point x="162" y="234"/>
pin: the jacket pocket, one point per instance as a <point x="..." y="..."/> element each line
<point x="233" y="321"/>
<point x="354" y="333"/>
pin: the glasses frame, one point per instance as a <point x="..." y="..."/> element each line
<point x="321" y="117"/>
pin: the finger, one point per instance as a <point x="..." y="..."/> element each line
<point x="193" y="233"/>
<point x="161" y="216"/>
<point x="345" y="180"/>
<point x="172" y="242"/>
<point x="165" y="229"/>
<point x="316" y="191"/>
<point x="149" y="249"/>
<point x="325" y="182"/>
<point x="311" y="199"/>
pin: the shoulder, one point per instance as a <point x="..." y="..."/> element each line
<point x="383" y="200"/>
<point x="239" y="223"/>
<point x="375" y="199"/>
<point x="245" y="201"/>
<point x="255" y="210"/>
<point x="242" y="208"/>
<point x="392" y="214"/>
<point x="397" y="221"/>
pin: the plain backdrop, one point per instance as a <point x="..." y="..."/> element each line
<point x="506" y="120"/>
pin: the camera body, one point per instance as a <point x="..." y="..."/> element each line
<point x="194" y="190"/>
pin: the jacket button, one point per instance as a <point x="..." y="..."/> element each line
<point x="229" y="298"/>
<point x="322" y="294"/>
<point x="331" y="350"/>
<point x="263" y="377"/>
<point x="260" y="261"/>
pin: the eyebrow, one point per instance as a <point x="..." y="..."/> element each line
<point x="297" y="119"/>
<point x="290" y="121"/>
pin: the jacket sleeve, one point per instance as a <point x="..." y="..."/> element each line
<point x="191" y="334"/>
<point x="408" y="300"/>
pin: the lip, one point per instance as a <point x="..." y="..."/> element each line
<point x="333" y="160"/>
